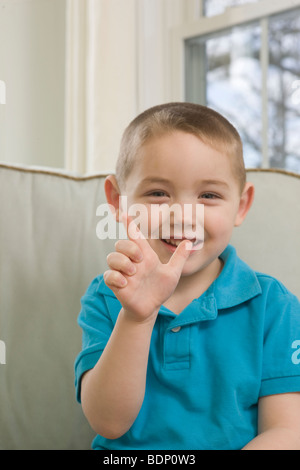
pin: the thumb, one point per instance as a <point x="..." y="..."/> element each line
<point x="180" y="256"/>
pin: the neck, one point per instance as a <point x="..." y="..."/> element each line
<point x="192" y="286"/>
<point x="202" y="279"/>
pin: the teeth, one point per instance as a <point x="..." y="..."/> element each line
<point x="173" y="242"/>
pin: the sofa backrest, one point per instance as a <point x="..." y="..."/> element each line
<point x="49" y="254"/>
<point x="269" y="238"/>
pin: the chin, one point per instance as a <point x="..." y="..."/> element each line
<point x="190" y="270"/>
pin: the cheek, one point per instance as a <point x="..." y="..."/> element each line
<point x="218" y="222"/>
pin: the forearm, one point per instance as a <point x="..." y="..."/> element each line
<point x="113" y="391"/>
<point x="278" y="438"/>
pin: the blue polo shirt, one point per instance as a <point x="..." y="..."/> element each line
<point x="207" y="366"/>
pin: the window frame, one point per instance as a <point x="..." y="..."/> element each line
<point x="230" y="18"/>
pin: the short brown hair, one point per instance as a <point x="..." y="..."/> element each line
<point x="207" y="124"/>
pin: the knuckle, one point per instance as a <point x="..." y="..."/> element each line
<point x="117" y="244"/>
<point x="129" y="267"/>
<point x="136" y="253"/>
<point x="107" y="277"/>
<point x="109" y="258"/>
<point x="128" y="263"/>
<point x="117" y="277"/>
<point x="128" y="248"/>
<point x="113" y="278"/>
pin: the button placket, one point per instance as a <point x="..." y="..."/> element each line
<point x="177" y="348"/>
<point x="176" y="329"/>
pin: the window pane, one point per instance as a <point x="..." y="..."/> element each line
<point x="223" y="71"/>
<point x="216" y="7"/>
<point x="284" y="91"/>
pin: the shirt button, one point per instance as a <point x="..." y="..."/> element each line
<point x="176" y="329"/>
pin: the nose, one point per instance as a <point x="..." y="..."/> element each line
<point x="190" y="220"/>
<point x="185" y="220"/>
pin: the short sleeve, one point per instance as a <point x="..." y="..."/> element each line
<point x="97" y="325"/>
<point x="281" y="348"/>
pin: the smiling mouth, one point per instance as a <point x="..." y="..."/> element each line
<point x="174" y="242"/>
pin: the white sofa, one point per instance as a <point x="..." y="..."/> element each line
<point x="49" y="253"/>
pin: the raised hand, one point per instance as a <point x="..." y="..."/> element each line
<point x="138" y="278"/>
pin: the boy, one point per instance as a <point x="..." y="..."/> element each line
<point x="185" y="346"/>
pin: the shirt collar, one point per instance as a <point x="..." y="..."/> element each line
<point x="236" y="283"/>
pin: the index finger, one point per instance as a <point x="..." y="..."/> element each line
<point x="132" y="229"/>
<point x="134" y="233"/>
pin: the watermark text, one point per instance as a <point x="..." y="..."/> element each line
<point x="2" y="92"/>
<point x="155" y="221"/>
<point x="296" y="354"/>
<point x="2" y="353"/>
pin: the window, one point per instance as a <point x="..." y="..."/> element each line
<point x="216" y="7"/>
<point x="283" y="79"/>
<point x="251" y="74"/>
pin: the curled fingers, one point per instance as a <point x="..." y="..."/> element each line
<point x="122" y="263"/>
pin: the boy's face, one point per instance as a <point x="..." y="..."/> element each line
<point x="178" y="168"/>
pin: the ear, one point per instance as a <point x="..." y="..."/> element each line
<point x="112" y="193"/>
<point x="246" y="201"/>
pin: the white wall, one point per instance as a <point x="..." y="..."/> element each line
<point x="76" y="73"/>
<point x="32" y="65"/>
<point x="123" y="47"/>
<point x="101" y="81"/>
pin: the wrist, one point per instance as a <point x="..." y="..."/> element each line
<point x="130" y="317"/>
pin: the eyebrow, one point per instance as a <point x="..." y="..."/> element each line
<point x="216" y="182"/>
<point x="157" y="179"/>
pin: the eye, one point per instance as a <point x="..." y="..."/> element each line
<point x="157" y="194"/>
<point x="209" y="196"/>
